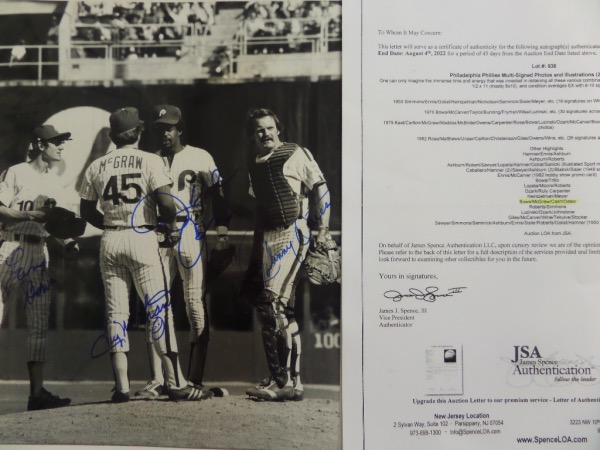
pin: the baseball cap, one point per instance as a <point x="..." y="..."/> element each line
<point x="166" y="114"/>
<point x="124" y="119"/>
<point x="49" y="133"/>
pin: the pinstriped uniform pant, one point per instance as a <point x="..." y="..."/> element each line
<point x="24" y="274"/>
<point x="283" y="254"/>
<point x="187" y="258"/>
<point x="126" y="257"/>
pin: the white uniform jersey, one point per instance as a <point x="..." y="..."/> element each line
<point x="122" y="181"/>
<point x="301" y="171"/>
<point x="24" y="188"/>
<point x="24" y="263"/>
<point x="194" y="171"/>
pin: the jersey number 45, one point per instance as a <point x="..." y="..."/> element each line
<point x="113" y="192"/>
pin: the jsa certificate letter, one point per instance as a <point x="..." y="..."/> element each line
<point x="481" y="224"/>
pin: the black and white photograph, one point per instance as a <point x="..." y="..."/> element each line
<point x="170" y="224"/>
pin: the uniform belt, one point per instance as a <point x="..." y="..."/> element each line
<point x="126" y="227"/>
<point x="28" y="238"/>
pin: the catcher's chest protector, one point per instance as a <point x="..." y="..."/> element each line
<point x="278" y="204"/>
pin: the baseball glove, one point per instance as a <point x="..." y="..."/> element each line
<point x="323" y="264"/>
<point x="64" y="224"/>
<point x="218" y="261"/>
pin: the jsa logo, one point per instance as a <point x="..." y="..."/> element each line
<point x="523" y="352"/>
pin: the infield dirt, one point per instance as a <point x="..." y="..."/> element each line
<point x="233" y="422"/>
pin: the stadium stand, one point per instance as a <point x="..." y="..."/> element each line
<point x="86" y="41"/>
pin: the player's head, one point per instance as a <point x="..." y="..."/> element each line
<point x="167" y="125"/>
<point x="48" y="143"/>
<point x="263" y="128"/>
<point x="125" y="126"/>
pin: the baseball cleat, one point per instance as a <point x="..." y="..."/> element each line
<point x="298" y="389"/>
<point x="272" y="392"/>
<point x="153" y="389"/>
<point x="46" y="400"/>
<point x="119" y="397"/>
<point x="261" y="385"/>
<point x="189" y="393"/>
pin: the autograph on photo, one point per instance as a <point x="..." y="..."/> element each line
<point x="429" y="294"/>
<point x="275" y="258"/>
<point x="155" y="315"/>
<point x="18" y="274"/>
<point x="158" y="322"/>
<point x="117" y="340"/>
<point x="199" y="228"/>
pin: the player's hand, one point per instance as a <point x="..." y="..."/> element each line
<point x="38" y="215"/>
<point x="172" y="237"/>
<point x="323" y="237"/>
<point x="71" y="249"/>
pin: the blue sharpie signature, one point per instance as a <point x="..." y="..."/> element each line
<point x="18" y="275"/>
<point x="158" y="321"/>
<point x="276" y="258"/>
<point x="155" y="315"/>
<point x="116" y="341"/>
<point x="274" y="268"/>
<point x="189" y="220"/>
<point x="324" y="208"/>
<point x="33" y="291"/>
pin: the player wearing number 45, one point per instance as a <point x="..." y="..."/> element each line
<point x="130" y="184"/>
<point x="24" y="192"/>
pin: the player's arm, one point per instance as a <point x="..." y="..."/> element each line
<point x="313" y="177"/>
<point x="217" y="190"/>
<point x="323" y="210"/>
<point x="9" y="215"/>
<point x="90" y="213"/>
<point x="219" y="204"/>
<point x="8" y="191"/>
<point x="166" y="207"/>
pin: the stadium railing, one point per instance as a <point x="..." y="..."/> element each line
<point x="190" y="56"/>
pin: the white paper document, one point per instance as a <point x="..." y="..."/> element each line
<point x="479" y="124"/>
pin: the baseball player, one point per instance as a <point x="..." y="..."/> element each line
<point x="282" y="175"/>
<point x="196" y="178"/>
<point x="130" y="184"/>
<point x="23" y="252"/>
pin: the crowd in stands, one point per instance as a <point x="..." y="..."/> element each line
<point x="267" y="26"/>
<point x="292" y="21"/>
<point x="141" y="22"/>
<point x="134" y="13"/>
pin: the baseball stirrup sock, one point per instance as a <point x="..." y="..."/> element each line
<point x="198" y="354"/>
<point x="172" y="370"/>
